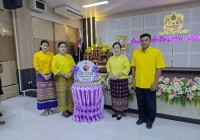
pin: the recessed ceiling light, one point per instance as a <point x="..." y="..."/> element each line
<point x="95" y="4"/>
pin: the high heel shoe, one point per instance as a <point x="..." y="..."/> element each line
<point x="119" y="117"/>
<point x="114" y="115"/>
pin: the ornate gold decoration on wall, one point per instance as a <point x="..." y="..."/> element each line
<point x="173" y="24"/>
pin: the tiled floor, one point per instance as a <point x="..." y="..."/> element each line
<point x="24" y="122"/>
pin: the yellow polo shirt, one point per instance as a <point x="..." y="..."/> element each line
<point x="146" y="64"/>
<point x="42" y="61"/>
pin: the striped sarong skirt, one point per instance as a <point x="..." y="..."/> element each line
<point x="46" y="93"/>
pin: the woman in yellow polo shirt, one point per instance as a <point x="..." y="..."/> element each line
<point x="62" y="67"/>
<point x="46" y="93"/>
<point x="118" y="68"/>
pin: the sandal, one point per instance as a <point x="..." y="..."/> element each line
<point x="46" y="113"/>
<point x="2" y="122"/>
<point x="50" y="112"/>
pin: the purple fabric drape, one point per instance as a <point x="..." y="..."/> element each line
<point x="88" y="102"/>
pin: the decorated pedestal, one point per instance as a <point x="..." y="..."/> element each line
<point x="87" y="94"/>
<point x="88" y="102"/>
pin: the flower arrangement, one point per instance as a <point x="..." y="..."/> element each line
<point x="88" y="50"/>
<point x="104" y="47"/>
<point x="179" y="91"/>
<point x="104" y="81"/>
<point x="106" y="86"/>
<point x="103" y="50"/>
<point x="107" y="47"/>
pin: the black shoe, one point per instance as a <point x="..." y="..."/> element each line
<point x="114" y="115"/>
<point x="149" y="125"/>
<point x="119" y="118"/>
<point x="140" y="121"/>
<point x="70" y="113"/>
<point x="1" y="114"/>
<point x="66" y="115"/>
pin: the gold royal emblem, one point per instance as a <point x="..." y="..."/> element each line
<point x="173" y="24"/>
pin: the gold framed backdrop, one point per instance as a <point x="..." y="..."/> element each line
<point x="123" y="40"/>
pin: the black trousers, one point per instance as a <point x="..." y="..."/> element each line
<point x="1" y="91"/>
<point x="146" y="101"/>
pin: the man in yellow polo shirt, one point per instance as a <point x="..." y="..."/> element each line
<point x="147" y="63"/>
